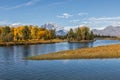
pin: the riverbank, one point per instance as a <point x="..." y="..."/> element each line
<point x="31" y="42"/>
<point x="109" y="51"/>
<point x="117" y="38"/>
<point x="37" y="42"/>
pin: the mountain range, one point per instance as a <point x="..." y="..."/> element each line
<point x="108" y="31"/>
<point x="61" y="31"/>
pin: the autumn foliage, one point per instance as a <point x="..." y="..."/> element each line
<point x="35" y="33"/>
<point x="23" y="33"/>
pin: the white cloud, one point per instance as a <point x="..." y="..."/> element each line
<point x="16" y="24"/>
<point x="75" y="21"/>
<point x="29" y="3"/>
<point x="97" y="22"/>
<point x="56" y="3"/>
<point x="99" y="28"/>
<point x="8" y="23"/>
<point x="82" y="14"/>
<point x="116" y="24"/>
<point x="101" y="22"/>
<point x="106" y="18"/>
<point x="67" y="28"/>
<point x="85" y="22"/>
<point x="65" y="15"/>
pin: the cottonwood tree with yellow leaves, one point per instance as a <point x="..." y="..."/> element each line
<point x="25" y="33"/>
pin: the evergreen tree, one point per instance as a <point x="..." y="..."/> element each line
<point x="82" y="33"/>
<point x="70" y="35"/>
<point x="78" y="34"/>
<point x="52" y="34"/>
<point x="91" y="36"/>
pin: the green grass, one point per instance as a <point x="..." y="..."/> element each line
<point x="110" y="51"/>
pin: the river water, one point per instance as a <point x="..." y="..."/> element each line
<point x="13" y="67"/>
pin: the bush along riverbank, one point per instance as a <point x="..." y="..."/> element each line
<point x="109" y="51"/>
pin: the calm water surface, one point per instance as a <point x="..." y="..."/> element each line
<point x="12" y="67"/>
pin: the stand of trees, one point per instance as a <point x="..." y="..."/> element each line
<point x="24" y="33"/>
<point x="80" y="33"/>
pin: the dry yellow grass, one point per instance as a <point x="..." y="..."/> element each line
<point x="52" y="41"/>
<point x="31" y="42"/>
<point x="110" y="51"/>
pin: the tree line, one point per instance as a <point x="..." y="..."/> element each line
<point x="30" y="32"/>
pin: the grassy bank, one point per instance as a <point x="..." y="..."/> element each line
<point x="31" y="42"/>
<point x="107" y="38"/>
<point x="110" y="51"/>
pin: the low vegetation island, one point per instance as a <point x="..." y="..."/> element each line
<point x="109" y="51"/>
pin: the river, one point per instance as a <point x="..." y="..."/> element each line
<point x="13" y="67"/>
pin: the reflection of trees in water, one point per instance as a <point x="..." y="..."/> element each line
<point x="48" y="48"/>
<point x="26" y="50"/>
<point x="32" y="50"/>
<point x="42" y="49"/>
<point x="8" y="53"/>
<point x="80" y="45"/>
<point x="18" y="52"/>
<point x="91" y="44"/>
<point x="22" y="51"/>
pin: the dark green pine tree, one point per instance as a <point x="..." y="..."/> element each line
<point x="78" y="34"/>
<point x="87" y="34"/>
<point x="70" y="36"/>
<point x="91" y="36"/>
<point x="53" y="34"/>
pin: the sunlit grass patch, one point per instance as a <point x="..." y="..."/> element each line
<point x="110" y="51"/>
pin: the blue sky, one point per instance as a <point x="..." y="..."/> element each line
<point x="67" y="13"/>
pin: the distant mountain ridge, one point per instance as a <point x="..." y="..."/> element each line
<point x="60" y="31"/>
<point x="108" y="31"/>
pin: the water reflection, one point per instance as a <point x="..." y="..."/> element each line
<point x="14" y="53"/>
<point x="12" y="67"/>
<point x="80" y="45"/>
<point x="6" y="54"/>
